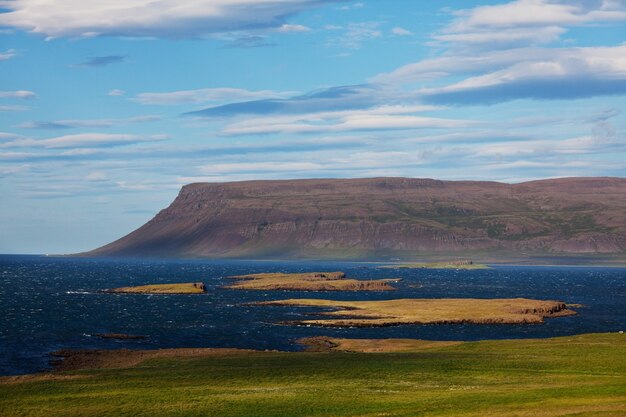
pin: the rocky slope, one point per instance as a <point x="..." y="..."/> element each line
<point x="383" y="218"/>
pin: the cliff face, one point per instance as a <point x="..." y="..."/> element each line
<point x="383" y="217"/>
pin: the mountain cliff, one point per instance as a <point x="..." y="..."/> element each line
<point x="383" y="218"/>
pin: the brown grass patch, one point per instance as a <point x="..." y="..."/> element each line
<point x="429" y="311"/>
<point x="327" y="344"/>
<point x="182" y="288"/>
<point x="311" y="281"/>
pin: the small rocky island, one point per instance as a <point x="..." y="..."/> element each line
<point x="181" y="288"/>
<point x="428" y="311"/>
<point x="310" y="281"/>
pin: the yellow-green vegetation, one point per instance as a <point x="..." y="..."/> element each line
<point x="182" y="288"/>
<point x="439" y="265"/>
<point x="429" y="311"/>
<point x="582" y="376"/>
<point x="310" y="281"/>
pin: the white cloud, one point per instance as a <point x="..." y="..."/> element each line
<point x="260" y="167"/>
<point x="508" y="37"/>
<point x="543" y="73"/>
<point x="286" y="28"/>
<point x="116" y="92"/>
<point x="8" y="54"/>
<point x="442" y="66"/>
<point x="96" y="176"/>
<point x="356" y="34"/>
<point x="526" y="22"/>
<point x="21" y="94"/>
<point x="4" y="136"/>
<point x="205" y="95"/>
<point x="401" y="31"/>
<point x="78" y="123"/>
<point x="83" y="140"/>
<point x="147" y="18"/>
<point x="352" y="6"/>
<point x="380" y="118"/>
<point x="12" y="108"/>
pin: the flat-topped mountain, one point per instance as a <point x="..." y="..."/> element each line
<point x="384" y="218"/>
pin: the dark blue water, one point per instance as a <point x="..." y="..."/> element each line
<point x="52" y="303"/>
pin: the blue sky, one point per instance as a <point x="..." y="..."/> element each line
<point x="108" y="107"/>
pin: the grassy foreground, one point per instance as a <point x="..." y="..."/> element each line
<point x="579" y="376"/>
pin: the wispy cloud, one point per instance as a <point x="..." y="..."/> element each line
<point x="542" y="74"/>
<point x="70" y="124"/>
<point x="401" y="31"/>
<point x="250" y="41"/>
<point x="116" y="92"/>
<point x="19" y="94"/>
<point x="207" y="95"/>
<point x="9" y="108"/>
<point x="102" y="61"/>
<point x="525" y="22"/>
<point x="333" y="98"/>
<point x="354" y="35"/>
<point x="353" y="6"/>
<point x="144" y="18"/>
<point x="8" y="54"/>
<point x="287" y="28"/>
<point x="386" y="118"/>
<point x="83" y="140"/>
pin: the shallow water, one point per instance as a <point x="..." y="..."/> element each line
<point x="52" y="303"/>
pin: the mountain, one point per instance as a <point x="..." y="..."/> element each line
<point x="383" y="218"/>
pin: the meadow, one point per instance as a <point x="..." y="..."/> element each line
<point x="581" y="376"/>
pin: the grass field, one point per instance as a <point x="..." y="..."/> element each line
<point x="580" y="376"/>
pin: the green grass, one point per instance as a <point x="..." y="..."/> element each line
<point x="571" y="376"/>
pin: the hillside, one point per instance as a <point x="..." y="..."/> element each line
<point x="382" y="218"/>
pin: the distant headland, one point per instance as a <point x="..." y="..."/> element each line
<point x="386" y="219"/>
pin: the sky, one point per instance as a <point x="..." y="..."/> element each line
<point x="108" y="107"/>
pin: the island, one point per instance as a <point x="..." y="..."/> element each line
<point x="427" y="311"/>
<point x="439" y="265"/>
<point x="181" y="288"/>
<point x="309" y="281"/>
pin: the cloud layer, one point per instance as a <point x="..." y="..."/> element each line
<point x="147" y="18"/>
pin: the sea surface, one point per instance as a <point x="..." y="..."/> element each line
<point x="49" y="303"/>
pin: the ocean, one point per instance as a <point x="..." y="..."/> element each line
<point x="52" y="303"/>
